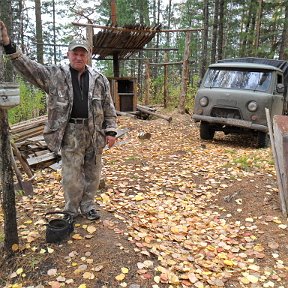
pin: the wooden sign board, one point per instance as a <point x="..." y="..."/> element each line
<point x="280" y="128"/>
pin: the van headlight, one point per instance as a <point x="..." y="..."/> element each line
<point x="252" y="106"/>
<point x="204" y="101"/>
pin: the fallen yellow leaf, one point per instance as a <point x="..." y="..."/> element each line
<point x="91" y="229"/>
<point x="19" y="271"/>
<point x="229" y="262"/>
<point x="77" y="237"/>
<point x="244" y="280"/>
<point x="124" y="270"/>
<point x="28" y="222"/>
<point x="105" y="198"/>
<point x="88" y="275"/>
<point x="253" y="279"/>
<point x="120" y="277"/>
<point x="138" y="197"/>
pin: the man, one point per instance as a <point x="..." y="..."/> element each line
<point x="81" y="119"/>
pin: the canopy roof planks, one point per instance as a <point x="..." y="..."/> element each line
<point x="124" y="41"/>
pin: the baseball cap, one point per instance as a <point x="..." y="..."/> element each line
<point x="78" y="43"/>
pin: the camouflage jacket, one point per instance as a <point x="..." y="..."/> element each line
<point x="56" y="81"/>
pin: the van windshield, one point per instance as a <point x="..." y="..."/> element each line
<point x="238" y="79"/>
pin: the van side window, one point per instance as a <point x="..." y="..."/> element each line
<point x="279" y="79"/>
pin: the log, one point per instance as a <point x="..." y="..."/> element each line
<point x="120" y="113"/>
<point x="147" y="108"/>
<point x="169" y="119"/>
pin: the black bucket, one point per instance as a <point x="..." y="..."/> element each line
<point x="58" y="230"/>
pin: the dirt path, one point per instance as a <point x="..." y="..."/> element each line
<point x="176" y="212"/>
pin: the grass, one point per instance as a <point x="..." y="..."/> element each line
<point x="1" y="237"/>
<point x="132" y="158"/>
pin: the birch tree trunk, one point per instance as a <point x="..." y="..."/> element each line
<point x="204" y="39"/>
<point x="283" y="54"/>
<point x="258" y="25"/>
<point x="39" y="34"/>
<point x="6" y="173"/>
<point x="221" y="30"/>
<point x="215" y="28"/>
<point x="246" y="25"/>
<point x="185" y="74"/>
<point x="54" y="31"/>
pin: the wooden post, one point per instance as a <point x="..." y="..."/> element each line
<point x="6" y="173"/>
<point x="147" y="81"/>
<point x="89" y="38"/>
<point x="113" y="13"/>
<point x="165" y="92"/>
<point x="116" y="67"/>
<point x="185" y="74"/>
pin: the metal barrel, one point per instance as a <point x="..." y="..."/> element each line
<point x="9" y="95"/>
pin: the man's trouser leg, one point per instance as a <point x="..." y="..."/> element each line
<point x="92" y="171"/>
<point x="79" y="170"/>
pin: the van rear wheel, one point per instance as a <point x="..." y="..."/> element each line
<point x="206" y="131"/>
<point x="263" y="140"/>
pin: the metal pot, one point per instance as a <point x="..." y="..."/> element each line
<point x="58" y="230"/>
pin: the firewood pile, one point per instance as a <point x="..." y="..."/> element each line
<point x="28" y="143"/>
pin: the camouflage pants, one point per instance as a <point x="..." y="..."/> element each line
<point x="81" y="169"/>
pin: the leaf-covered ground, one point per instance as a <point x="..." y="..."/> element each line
<point x="176" y="212"/>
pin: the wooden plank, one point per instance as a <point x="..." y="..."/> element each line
<point x="280" y="151"/>
<point x="42" y="152"/>
<point x="20" y="136"/>
<point x="29" y="123"/>
<point x="34" y="161"/>
<point x="22" y="160"/>
<point x="36" y="138"/>
<point x="27" y="129"/>
<point x="32" y="146"/>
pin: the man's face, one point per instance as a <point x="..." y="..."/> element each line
<point x="78" y="58"/>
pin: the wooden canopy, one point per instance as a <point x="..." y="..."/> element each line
<point x="123" y="42"/>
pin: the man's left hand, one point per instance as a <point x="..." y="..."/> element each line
<point x="110" y="140"/>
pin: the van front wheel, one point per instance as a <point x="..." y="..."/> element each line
<point x="206" y="131"/>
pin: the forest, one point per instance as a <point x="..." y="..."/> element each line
<point x="223" y="29"/>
